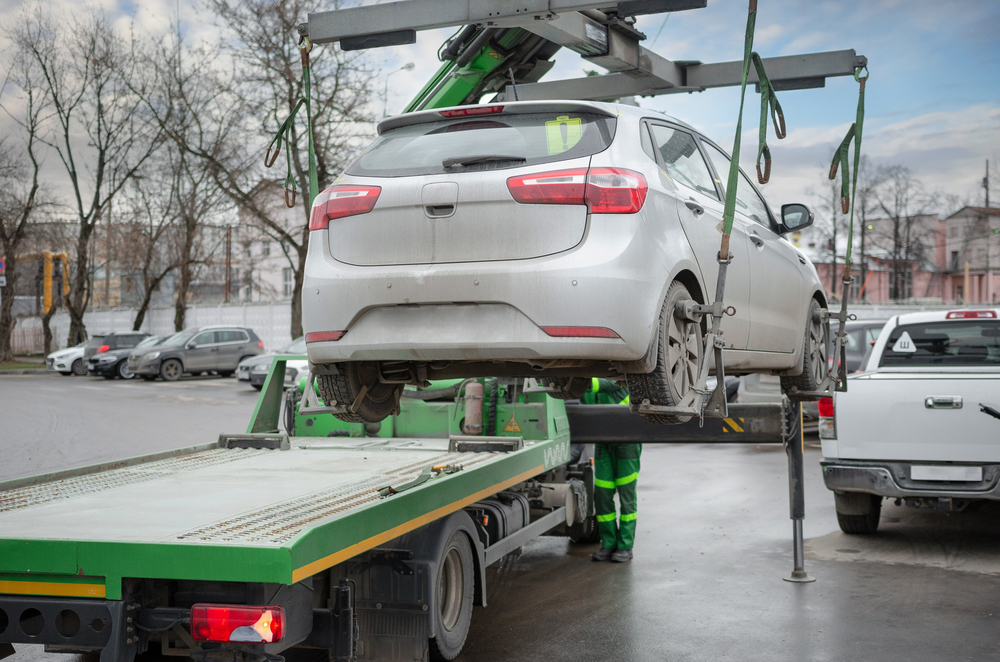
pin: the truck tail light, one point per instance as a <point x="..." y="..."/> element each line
<point x="971" y="314"/>
<point x="603" y="190"/>
<point x="579" y="332"/>
<point x="345" y="200"/>
<point x="827" y="420"/>
<point x="103" y="348"/>
<point x="237" y="623"/>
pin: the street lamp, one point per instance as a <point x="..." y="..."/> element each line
<point x="409" y="66"/>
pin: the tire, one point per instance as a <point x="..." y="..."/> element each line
<point x="568" y="388"/>
<point x="379" y="401"/>
<point x="585" y="532"/>
<point x="171" y="370"/>
<point x="148" y="378"/>
<point x="678" y="359"/>
<point x="78" y="368"/>
<point x="814" y="358"/>
<point x="455" y="588"/>
<point x="851" y="503"/>
<point x="122" y="370"/>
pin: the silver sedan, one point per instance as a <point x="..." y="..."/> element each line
<point x="554" y="240"/>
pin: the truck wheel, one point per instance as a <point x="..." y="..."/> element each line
<point x="379" y="401"/>
<point x="814" y="357"/>
<point x="568" y="388"/>
<point x="78" y="368"/>
<point x="585" y="531"/>
<point x="171" y="370"/>
<point x="678" y="360"/>
<point x="454" y="598"/>
<point x="858" y="512"/>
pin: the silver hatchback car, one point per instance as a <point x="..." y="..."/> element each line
<point x="548" y="239"/>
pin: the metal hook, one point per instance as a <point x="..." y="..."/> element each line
<point x="287" y="203"/>
<point x="763" y="178"/>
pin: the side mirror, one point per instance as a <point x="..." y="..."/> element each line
<point x="191" y="345"/>
<point x="795" y="217"/>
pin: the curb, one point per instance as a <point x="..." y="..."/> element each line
<point x="27" y="371"/>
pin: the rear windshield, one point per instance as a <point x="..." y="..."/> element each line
<point x="484" y="143"/>
<point x="942" y="344"/>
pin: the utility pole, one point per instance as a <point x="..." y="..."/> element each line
<point x="229" y="259"/>
<point x="986" y="182"/>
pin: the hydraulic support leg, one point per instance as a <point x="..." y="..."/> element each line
<point x="796" y="493"/>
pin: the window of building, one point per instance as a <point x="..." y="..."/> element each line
<point x="265" y="248"/>
<point x="288" y="280"/>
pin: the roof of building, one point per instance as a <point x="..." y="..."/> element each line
<point x="978" y="211"/>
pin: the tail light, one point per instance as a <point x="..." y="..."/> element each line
<point x="237" y="623"/>
<point x="603" y="190"/>
<point x="260" y="344"/>
<point x="827" y="420"/>
<point x="324" y="336"/>
<point x="971" y="314"/>
<point x="103" y="348"/>
<point x="345" y="200"/>
<point x="472" y="112"/>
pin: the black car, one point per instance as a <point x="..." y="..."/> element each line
<point x="94" y="352"/>
<point x="113" y="363"/>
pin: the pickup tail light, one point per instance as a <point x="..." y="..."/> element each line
<point x="827" y="420"/>
<point x="237" y="623"/>
<point x="345" y="200"/>
<point x="603" y="190"/>
<point x="971" y="314"/>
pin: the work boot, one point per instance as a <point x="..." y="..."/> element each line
<point x="603" y="554"/>
<point x="621" y="555"/>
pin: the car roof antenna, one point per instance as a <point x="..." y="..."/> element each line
<point x="510" y="72"/>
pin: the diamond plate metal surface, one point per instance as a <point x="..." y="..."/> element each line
<point x="282" y="521"/>
<point x="60" y="490"/>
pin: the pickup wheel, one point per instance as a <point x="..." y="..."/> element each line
<point x="814" y="357"/>
<point x="678" y="360"/>
<point x="379" y="401"/>
<point x="455" y="588"/>
<point x="857" y="512"/>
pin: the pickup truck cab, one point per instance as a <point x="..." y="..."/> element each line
<point x="920" y="423"/>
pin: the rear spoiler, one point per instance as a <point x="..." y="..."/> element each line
<point x="508" y="108"/>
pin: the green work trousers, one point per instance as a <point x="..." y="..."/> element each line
<point x="616" y="468"/>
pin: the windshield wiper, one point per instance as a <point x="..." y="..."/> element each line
<point x="484" y="158"/>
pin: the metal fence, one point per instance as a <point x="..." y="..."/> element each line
<point x="270" y="321"/>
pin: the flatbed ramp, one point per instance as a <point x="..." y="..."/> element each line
<point x="243" y="514"/>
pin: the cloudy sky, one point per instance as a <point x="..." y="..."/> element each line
<point x="933" y="99"/>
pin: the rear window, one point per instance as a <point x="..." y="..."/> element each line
<point x="943" y="344"/>
<point x="484" y="143"/>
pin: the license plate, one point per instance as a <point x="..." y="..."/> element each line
<point x="950" y="474"/>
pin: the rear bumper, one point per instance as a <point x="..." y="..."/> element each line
<point x="493" y="311"/>
<point x="892" y="479"/>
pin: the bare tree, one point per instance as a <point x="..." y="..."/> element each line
<point x="226" y="118"/>
<point x="865" y="204"/>
<point x="20" y="165"/>
<point x="904" y="235"/>
<point x="99" y="129"/>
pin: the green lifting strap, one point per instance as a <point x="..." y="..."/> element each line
<point x="285" y="134"/>
<point x="840" y="159"/>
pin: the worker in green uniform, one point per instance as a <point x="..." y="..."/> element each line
<point x="616" y="468"/>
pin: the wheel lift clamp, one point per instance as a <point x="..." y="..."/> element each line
<point x="769" y="423"/>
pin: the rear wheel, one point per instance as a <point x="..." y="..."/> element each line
<point x="454" y="598"/>
<point x="171" y="370"/>
<point x="678" y="360"/>
<point x="858" y="512"/>
<point x="343" y="389"/>
<point x="814" y="357"/>
<point x="78" y="368"/>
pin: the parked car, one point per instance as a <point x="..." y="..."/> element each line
<point x="549" y="239"/>
<point x="69" y="361"/>
<point x="110" y="341"/>
<point x="194" y="351"/>
<point x="920" y="424"/>
<point x="861" y="335"/>
<point x="114" y="362"/>
<point x="254" y="370"/>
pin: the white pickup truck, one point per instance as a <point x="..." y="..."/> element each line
<point x="921" y="423"/>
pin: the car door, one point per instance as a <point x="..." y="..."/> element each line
<point x="231" y="344"/>
<point x="697" y="195"/>
<point x="202" y="352"/>
<point x="777" y="304"/>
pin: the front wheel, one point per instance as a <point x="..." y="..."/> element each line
<point x="455" y="589"/>
<point x="344" y="388"/>
<point x="78" y="368"/>
<point x="171" y="370"/>
<point x="814" y="357"/>
<point x="678" y="360"/>
<point x="123" y="370"/>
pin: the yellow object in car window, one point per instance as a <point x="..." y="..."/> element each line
<point x="562" y="133"/>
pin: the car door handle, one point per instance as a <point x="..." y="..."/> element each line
<point x="694" y="206"/>
<point x="802" y="259"/>
<point x="756" y="239"/>
<point x="943" y="402"/>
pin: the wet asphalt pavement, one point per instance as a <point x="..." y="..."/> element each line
<point x="713" y="543"/>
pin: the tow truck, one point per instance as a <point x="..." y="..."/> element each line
<point x="349" y="540"/>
